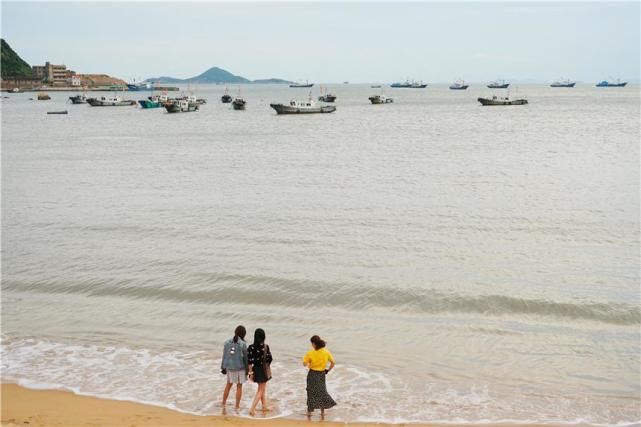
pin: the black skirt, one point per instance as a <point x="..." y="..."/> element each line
<point x="317" y="396"/>
<point x="259" y="374"/>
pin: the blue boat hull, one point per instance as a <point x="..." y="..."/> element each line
<point x="607" y="84"/>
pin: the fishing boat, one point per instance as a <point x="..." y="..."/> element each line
<point x="154" y="101"/>
<point x="375" y="86"/>
<point x="498" y="84"/>
<point x="43" y="96"/>
<point x="605" y="83"/>
<point x="110" y="101"/>
<point x="181" y="106"/>
<point x="238" y="103"/>
<point x="502" y="100"/>
<point x="302" y="107"/>
<point x="409" y="85"/>
<point x="380" y="99"/>
<point x="306" y="84"/>
<point x="326" y="97"/>
<point x="58" y="112"/>
<point x="563" y="83"/>
<point x="78" y="99"/>
<point x="226" y="98"/>
<point x="459" y="85"/>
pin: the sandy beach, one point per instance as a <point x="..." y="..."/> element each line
<point x="51" y="408"/>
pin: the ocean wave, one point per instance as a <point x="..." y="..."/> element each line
<point x="273" y="291"/>
<point x="188" y="382"/>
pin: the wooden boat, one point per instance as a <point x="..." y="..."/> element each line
<point x="153" y="101"/>
<point x="181" y="106"/>
<point x="110" y="101"/>
<point x="297" y="107"/>
<point x="502" y="100"/>
<point x="238" y="103"/>
<point x="226" y="98"/>
<point x="43" y="96"/>
<point x="58" y="112"/>
<point x="380" y="99"/>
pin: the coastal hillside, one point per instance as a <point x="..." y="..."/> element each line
<point x="216" y="75"/>
<point x="12" y="65"/>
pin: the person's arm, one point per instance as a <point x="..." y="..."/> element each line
<point x="268" y="356"/>
<point x="222" y="361"/>
<point x="245" y="359"/>
<point x="250" y="363"/>
<point x="331" y="361"/>
<point x="306" y="360"/>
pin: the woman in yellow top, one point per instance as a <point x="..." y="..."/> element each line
<point x="316" y="360"/>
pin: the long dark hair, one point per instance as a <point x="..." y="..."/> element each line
<point x="240" y="332"/>
<point x="259" y="337"/>
<point x="317" y="342"/>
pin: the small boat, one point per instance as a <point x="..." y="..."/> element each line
<point x="306" y="84"/>
<point x="410" y="85"/>
<point x="181" y="106"/>
<point x="16" y="90"/>
<point x="459" y="85"/>
<point x="110" y="101"/>
<point x="238" y="103"/>
<point x="43" y="96"/>
<point x="502" y="100"/>
<point x="58" y="112"/>
<point x="78" y="99"/>
<point x="605" y="83"/>
<point x="562" y="83"/>
<point x="345" y="82"/>
<point x="226" y="98"/>
<point x="326" y="97"/>
<point x="498" y="84"/>
<point x="375" y="86"/>
<point x="298" y="107"/>
<point x="380" y="99"/>
<point x="154" y="101"/>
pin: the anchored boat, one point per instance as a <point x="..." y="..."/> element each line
<point x="181" y="106"/>
<point x="498" y="84"/>
<point x="110" y="101"/>
<point x="298" y="107"/>
<point x="78" y="99"/>
<point x="306" y="84"/>
<point x="562" y="83"/>
<point x="605" y="83"/>
<point x="43" y="96"/>
<point x="459" y="85"/>
<point x="380" y="99"/>
<point x="326" y="97"/>
<point x="502" y="100"/>
<point x="154" y="101"/>
<point x="409" y="85"/>
<point x="238" y="103"/>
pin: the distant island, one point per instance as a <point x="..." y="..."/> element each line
<point x="216" y="75"/>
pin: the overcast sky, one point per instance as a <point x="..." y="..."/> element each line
<point x="333" y="42"/>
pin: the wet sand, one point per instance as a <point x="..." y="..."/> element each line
<point x="52" y="408"/>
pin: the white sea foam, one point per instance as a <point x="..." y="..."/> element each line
<point x="189" y="382"/>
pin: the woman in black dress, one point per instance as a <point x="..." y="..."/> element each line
<point x="259" y="359"/>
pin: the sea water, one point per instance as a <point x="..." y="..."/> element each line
<point x="465" y="264"/>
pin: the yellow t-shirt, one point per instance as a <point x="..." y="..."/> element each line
<point x="317" y="359"/>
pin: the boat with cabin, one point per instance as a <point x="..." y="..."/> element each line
<point x="326" y="96"/>
<point x="459" y="85"/>
<point x="502" y="100"/>
<point x="110" y="101"/>
<point x="42" y="96"/>
<point x="153" y="101"/>
<point x="563" y="83"/>
<point x="498" y="84"/>
<point x="380" y="99"/>
<point x="605" y="83"/>
<point x="302" y="107"/>
<point x="306" y="84"/>
<point x="78" y="99"/>
<point x="238" y="103"/>
<point x="181" y="106"/>
<point x="409" y="85"/>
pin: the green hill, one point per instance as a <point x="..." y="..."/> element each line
<point x="12" y="65"/>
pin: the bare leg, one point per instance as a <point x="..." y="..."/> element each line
<point x="252" y="411"/>
<point x="239" y="394"/>
<point x="226" y="393"/>
<point x="263" y="398"/>
<point x="322" y="414"/>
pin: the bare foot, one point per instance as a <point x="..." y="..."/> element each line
<point x="252" y="413"/>
<point x="266" y="409"/>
